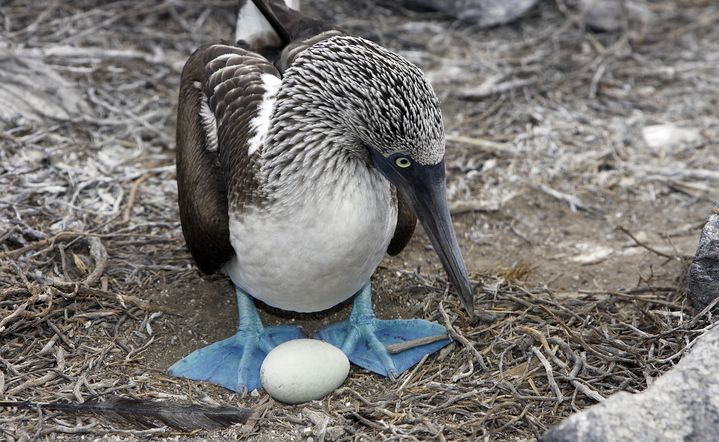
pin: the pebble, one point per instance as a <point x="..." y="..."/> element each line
<point x="703" y="277"/>
<point x="612" y="15"/>
<point x="668" y="136"/>
<point x="303" y="370"/>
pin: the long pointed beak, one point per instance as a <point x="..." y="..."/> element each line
<point x="424" y="188"/>
<point x="429" y="201"/>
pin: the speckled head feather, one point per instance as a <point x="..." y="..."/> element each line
<point x="357" y="94"/>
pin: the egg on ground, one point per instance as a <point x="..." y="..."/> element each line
<point x="303" y="370"/>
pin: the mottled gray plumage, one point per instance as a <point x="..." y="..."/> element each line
<point x="365" y="95"/>
<point x="338" y="95"/>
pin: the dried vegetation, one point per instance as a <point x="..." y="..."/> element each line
<point x="89" y="233"/>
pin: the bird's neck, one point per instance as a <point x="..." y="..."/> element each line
<point x="319" y="167"/>
<point x="311" y="147"/>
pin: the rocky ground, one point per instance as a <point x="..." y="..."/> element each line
<point x="582" y="166"/>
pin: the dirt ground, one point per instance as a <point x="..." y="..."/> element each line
<point x="575" y="224"/>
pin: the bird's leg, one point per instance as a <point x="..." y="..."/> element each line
<point x="363" y="321"/>
<point x="364" y="338"/>
<point x="235" y="362"/>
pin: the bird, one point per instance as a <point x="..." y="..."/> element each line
<point x="304" y="155"/>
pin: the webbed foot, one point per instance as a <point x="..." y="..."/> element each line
<point x="364" y="338"/>
<point x="235" y="362"/>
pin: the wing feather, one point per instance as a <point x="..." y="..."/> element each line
<point x="235" y="91"/>
<point x="214" y="182"/>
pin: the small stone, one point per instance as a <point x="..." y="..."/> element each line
<point x="703" y="277"/>
<point x="303" y="370"/>
<point x="667" y="136"/>
<point x="611" y="15"/>
<point x="591" y="254"/>
<point x="334" y="433"/>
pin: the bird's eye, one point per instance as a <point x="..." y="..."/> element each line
<point x="403" y="162"/>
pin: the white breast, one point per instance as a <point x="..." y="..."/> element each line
<point x="319" y="250"/>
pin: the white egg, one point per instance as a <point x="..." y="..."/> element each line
<point x="302" y="370"/>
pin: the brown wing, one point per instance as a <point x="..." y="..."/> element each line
<point x="406" y="223"/>
<point x="220" y="92"/>
<point x="235" y="91"/>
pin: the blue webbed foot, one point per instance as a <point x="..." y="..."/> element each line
<point x="364" y="338"/>
<point x="235" y="362"/>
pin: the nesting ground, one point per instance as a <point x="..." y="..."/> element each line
<point x="575" y="225"/>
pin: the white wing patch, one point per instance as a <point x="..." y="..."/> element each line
<point x="209" y="123"/>
<point x="261" y="123"/>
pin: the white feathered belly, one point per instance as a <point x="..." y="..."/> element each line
<point x="316" y="254"/>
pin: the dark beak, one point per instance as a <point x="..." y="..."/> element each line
<point x="424" y="188"/>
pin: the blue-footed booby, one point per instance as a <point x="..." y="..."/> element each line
<point x="303" y="156"/>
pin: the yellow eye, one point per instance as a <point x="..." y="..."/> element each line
<point x="403" y="162"/>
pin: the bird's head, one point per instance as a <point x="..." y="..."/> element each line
<point x="389" y="116"/>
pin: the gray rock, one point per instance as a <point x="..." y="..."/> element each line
<point x="681" y="405"/>
<point x="612" y="15"/>
<point x="484" y="13"/>
<point x="703" y="278"/>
